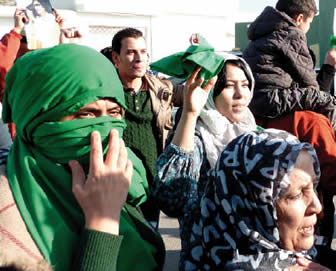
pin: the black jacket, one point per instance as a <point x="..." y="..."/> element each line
<point x="283" y="69"/>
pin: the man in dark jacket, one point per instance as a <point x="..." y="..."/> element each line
<point x="282" y="65"/>
<point x="286" y="83"/>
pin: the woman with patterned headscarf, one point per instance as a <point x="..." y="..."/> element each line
<point x="211" y="117"/>
<point x="260" y="206"/>
<point x="62" y="101"/>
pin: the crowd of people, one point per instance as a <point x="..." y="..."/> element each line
<point x="90" y="156"/>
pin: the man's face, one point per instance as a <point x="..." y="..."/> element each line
<point x="133" y="58"/>
<point x="304" y="23"/>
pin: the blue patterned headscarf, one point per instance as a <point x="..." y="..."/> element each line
<point x="238" y="227"/>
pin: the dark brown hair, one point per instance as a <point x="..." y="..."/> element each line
<point x="295" y="7"/>
<point x="222" y="76"/>
<point x="122" y="34"/>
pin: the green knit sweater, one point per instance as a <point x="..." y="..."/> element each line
<point x="98" y="251"/>
<point x="141" y="134"/>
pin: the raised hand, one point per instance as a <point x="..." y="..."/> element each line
<point x="70" y="35"/>
<point x="195" y="97"/>
<point x="20" y="18"/>
<point x="104" y="192"/>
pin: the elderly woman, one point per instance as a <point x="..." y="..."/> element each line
<point x="60" y="100"/>
<point x="260" y="206"/>
<point x="203" y="132"/>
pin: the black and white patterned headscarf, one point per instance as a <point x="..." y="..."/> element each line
<point x="238" y="227"/>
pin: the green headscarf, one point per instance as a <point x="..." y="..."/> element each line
<point x="181" y="65"/>
<point x="42" y="87"/>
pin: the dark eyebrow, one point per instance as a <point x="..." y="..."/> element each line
<point x="115" y="107"/>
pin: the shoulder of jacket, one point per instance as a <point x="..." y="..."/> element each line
<point x="156" y="82"/>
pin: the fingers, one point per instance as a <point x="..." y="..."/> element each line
<point x="122" y="161"/>
<point x="210" y="84"/>
<point x="194" y="39"/>
<point x="59" y="19"/>
<point x="129" y="171"/>
<point x="70" y="35"/>
<point x="113" y="149"/>
<point x="96" y="154"/>
<point x="193" y="76"/>
<point x="78" y="175"/>
<point x="20" y="17"/>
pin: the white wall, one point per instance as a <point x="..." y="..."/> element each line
<point x="167" y="24"/>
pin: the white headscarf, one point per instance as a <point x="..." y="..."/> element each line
<point x="216" y="130"/>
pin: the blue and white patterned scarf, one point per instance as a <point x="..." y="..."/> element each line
<point x="238" y="228"/>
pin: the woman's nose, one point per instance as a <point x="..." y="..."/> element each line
<point x="315" y="205"/>
<point x="238" y="91"/>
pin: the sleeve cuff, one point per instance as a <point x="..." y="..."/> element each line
<point x="97" y="251"/>
<point x="17" y="35"/>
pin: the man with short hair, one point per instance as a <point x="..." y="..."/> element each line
<point x="287" y="88"/>
<point x="149" y="100"/>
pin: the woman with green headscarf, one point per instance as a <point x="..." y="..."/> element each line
<point x="62" y="205"/>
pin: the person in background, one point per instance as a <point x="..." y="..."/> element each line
<point x="69" y="120"/>
<point x="287" y="90"/>
<point x="149" y="100"/>
<point x="260" y="206"/>
<point x="14" y="44"/>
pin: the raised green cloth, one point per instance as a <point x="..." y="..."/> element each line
<point x="42" y="87"/>
<point x="181" y="65"/>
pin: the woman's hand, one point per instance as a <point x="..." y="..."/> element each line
<point x="195" y="97"/>
<point x="307" y="265"/>
<point x="104" y="192"/>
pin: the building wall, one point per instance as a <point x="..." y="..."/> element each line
<point x="167" y="25"/>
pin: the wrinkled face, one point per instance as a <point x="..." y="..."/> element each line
<point x="232" y="102"/>
<point x="99" y="108"/>
<point x="297" y="210"/>
<point x="132" y="61"/>
<point x="304" y="23"/>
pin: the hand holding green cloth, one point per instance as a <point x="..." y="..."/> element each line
<point x="42" y="87"/>
<point x="181" y="65"/>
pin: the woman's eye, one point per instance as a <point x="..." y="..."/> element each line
<point x="297" y="196"/>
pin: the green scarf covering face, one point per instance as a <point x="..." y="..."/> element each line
<point x="42" y="87"/>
